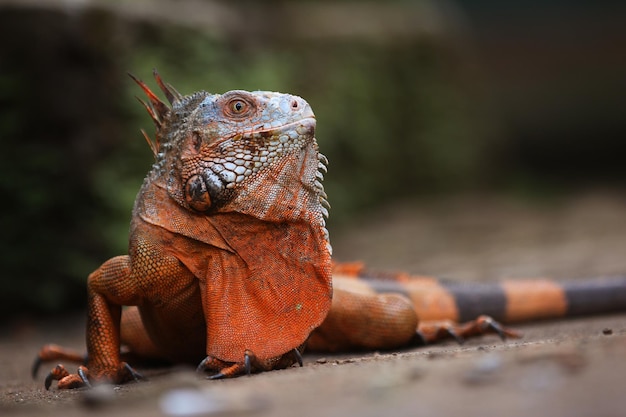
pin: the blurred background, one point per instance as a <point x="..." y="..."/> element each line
<point x="416" y="101"/>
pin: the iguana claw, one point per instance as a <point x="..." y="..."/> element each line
<point x="298" y="356"/>
<point x="488" y="324"/>
<point x="56" y="374"/>
<point x="82" y="372"/>
<point x="246" y="364"/>
<point x="452" y="332"/>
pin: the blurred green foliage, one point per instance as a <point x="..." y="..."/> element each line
<point x="394" y="120"/>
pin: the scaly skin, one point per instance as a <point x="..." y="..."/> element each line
<point x="229" y="260"/>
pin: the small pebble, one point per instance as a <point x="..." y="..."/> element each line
<point x="607" y="331"/>
<point x="484" y="371"/>
<point x="188" y="402"/>
<point x="191" y="402"/>
<point x="99" y="396"/>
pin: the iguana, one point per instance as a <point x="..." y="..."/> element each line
<point x="229" y="261"/>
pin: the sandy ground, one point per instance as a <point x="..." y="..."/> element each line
<point x="571" y="367"/>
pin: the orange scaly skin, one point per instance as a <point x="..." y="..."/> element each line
<point x="229" y="260"/>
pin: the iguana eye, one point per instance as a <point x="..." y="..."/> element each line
<point x="238" y="106"/>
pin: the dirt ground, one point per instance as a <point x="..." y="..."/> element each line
<point x="573" y="367"/>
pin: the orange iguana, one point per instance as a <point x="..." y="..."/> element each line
<point x="229" y="261"/>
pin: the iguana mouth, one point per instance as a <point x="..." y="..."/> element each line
<point x="302" y="127"/>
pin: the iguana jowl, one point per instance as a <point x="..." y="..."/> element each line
<point x="229" y="261"/>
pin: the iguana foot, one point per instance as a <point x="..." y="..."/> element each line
<point x="82" y="377"/>
<point x="65" y="379"/>
<point x="225" y="369"/>
<point x="251" y="364"/>
<point x="50" y="353"/>
<point x="231" y="370"/>
<point x="430" y="332"/>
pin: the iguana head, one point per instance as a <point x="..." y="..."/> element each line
<point x="251" y="152"/>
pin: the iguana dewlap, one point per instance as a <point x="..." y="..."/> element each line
<point x="229" y="261"/>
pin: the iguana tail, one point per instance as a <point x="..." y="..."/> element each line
<point x="508" y="301"/>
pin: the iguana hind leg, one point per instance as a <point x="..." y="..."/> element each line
<point x="361" y="319"/>
<point x="365" y="321"/>
<point x="434" y="331"/>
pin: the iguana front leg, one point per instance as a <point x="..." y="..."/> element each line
<point x="109" y="287"/>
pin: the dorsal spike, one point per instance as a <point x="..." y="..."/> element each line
<point x="158" y="106"/>
<point x="169" y="91"/>
<point x="177" y="95"/>
<point x="153" y="144"/>
<point x="150" y="110"/>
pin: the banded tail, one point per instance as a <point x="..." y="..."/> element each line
<point x="509" y="301"/>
